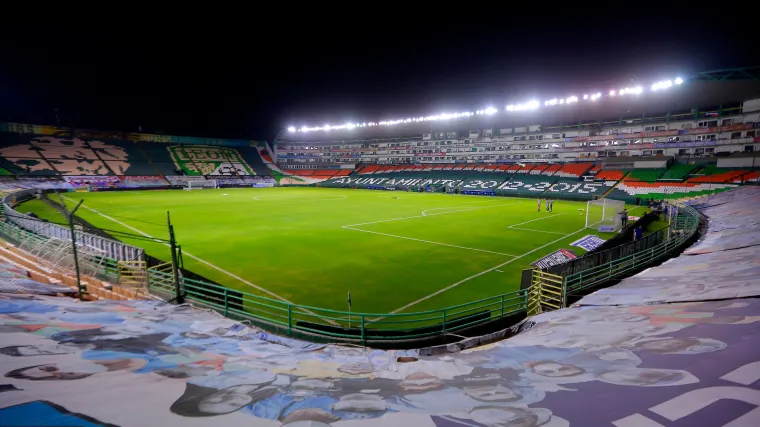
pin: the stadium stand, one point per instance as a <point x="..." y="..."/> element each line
<point x="678" y="171"/>
<point x="714" y="174"/>
<point x="580" y="190"/>
<point x="572" y="170"/>
<point x="646" y="175"/>
<point x="630" y="190"/>
<point x="137" y="163"/>
<point x="552" y="169"/>
<point x="610" y="175"/>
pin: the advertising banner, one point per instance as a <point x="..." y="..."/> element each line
<point x="589" y="242"/>
<point x="557" y="257"/>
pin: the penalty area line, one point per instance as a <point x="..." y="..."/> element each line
<point x="467" y="279"/>
<point x="426" y="241"/>
<point x="203" y="261"/>
<point x="432" y="214"/>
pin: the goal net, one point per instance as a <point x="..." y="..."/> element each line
<point x="200" y="185"/>
<point x="604" y="214"/>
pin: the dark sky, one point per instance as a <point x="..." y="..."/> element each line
<point x="238" y="74"/>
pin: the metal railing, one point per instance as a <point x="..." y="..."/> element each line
<point x="113" y="249"/>
<point x="547" y="292"/>
<point x="682" y="230"/>
<point x="293" y="319"/>
<point x="56" y="252"/>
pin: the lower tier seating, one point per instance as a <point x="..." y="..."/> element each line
<point x="629" y="191"/>
<point x="719" y="175"/>
<point x="646" y="175"/>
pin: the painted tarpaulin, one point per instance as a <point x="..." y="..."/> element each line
<point x="716" y="275"/>
<point x="149" y="363"/>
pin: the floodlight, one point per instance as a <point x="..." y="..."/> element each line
<point x="585" y="96"/>
<point x="612" y="93"/>
<point x="679" y="80"/>
<point x="291" y="129"/>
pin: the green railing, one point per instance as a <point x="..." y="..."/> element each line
<point x="335" y="325"/>
<point x="106" y="268"/>
<point x="342" y="325"/>
<point x="682" y="230"/>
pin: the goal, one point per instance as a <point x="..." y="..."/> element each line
<point x="604" y="214"/>
<point x="200" y="184"/>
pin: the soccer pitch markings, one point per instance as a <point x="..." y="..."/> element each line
<point x="353" y="227"/>
<point x="391" y="254"/>
<point x="202" y="261"/>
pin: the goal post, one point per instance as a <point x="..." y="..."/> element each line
<point x="200" y="184"/>
<point x="604" y="214"/>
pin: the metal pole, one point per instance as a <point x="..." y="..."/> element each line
<point x="175" y="268"/>
<point x="82" y="290"/>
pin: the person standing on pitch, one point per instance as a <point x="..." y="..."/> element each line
<point x="546" y="201"/>
<point x="624" y="217"/>
<point x="551" y="205"/>
<point x="539" y="204"/>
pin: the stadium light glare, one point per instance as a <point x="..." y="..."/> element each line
<point x="662" y="85"/>
<point x="530" y="105"/>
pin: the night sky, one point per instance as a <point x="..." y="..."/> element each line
<point x="242" y="76"/>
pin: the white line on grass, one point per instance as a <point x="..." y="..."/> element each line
<point x="537" y="219"/>
<point x="234" y="276"/>
<point x="424" y="213"/>
<point x="297" y="199"/>
<point x="537" y="231"/>
<point x="454" y="285"/>
<point x="427" y="241"/>
<point x="433" y="214"/>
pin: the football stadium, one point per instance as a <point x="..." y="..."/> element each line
<point x="500" y="266"/>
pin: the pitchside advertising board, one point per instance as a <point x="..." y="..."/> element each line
<point x="557" y="257"/>
<point x="209" y="160"/>
<point x="589" y="242"/>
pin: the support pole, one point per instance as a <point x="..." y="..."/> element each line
<point x="82" y="290"/>
<point x="175" y="267"/>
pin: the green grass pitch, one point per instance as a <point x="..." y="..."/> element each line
<point x="394" y="251"/>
